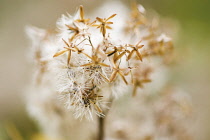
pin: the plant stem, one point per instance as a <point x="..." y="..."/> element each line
<point x="101" y="122"/>
<point x="101" y="128"/>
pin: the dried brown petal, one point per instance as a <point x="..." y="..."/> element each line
<point x="59" y="53"/>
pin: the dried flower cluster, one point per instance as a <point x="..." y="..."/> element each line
<point x="163" y="116"/>
<point x="87" y="65"/>
<point x="87" y="62"/>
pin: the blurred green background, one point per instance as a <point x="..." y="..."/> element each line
<point x="192" y="44"/>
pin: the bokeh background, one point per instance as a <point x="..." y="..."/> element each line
<point x="192" y="43"/>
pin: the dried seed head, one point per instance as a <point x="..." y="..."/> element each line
<point x="84" y="66"/>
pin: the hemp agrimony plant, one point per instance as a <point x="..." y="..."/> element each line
<point x="86" y="63"/>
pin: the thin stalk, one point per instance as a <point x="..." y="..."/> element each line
<point x="101" y="122"/>
<point x="101" y="128"/>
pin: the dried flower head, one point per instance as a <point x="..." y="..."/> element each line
<point x="88" y="70"/>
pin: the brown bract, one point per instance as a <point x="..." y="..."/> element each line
<point x="97" y="63"/>
<point x="119" y="71"/>
<point x="118" y="52"/>
<point x="66" y="49"/>
<point x="75" y="30"/>
<point x="82" y="19"/>
<point x="104" y="24"/>
<point x="135" y="49"/>
<point x="91" y="99"/>
<point x="140" y="84"/>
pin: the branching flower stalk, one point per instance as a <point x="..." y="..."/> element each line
<point x="88" y="65"/>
